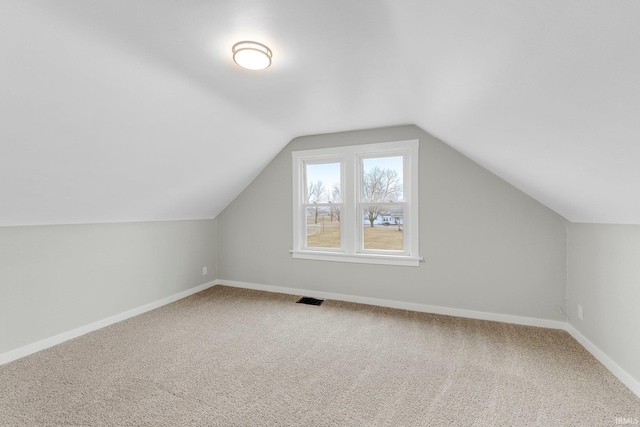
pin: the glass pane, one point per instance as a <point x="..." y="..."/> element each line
<point x="323" y="183"/>
<point x="323" y="227"/>
<point x="383" y="227"/>
<point x="382" y="179"/>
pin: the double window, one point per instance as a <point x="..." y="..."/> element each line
<point x="357" y="203"/>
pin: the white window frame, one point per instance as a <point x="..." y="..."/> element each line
<point x="351" y="217"/>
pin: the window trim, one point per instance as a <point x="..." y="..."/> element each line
<point x="351" y="244"/>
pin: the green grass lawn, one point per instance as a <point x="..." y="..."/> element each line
<point x="383" y="237"/>
<point x="327" y="235"/>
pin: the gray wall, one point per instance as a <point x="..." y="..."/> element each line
<point x="488" y="246"/>
<point x="57" y="278"/>
<point x="604" y="278"/>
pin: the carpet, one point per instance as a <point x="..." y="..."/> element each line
<point x="237" y="357"/>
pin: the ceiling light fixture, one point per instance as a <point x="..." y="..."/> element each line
<point x="252" y="55"/>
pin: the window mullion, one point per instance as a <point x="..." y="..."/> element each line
<point x="350" y="225"/>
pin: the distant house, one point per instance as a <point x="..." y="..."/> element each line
<point x="393" y="216"/>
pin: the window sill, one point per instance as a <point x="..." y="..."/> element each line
<point x="406" y="261"/>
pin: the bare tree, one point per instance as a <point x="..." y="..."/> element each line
<point x="315" y="194"/>
<point x="335" y="197"/>
<point x="379" y="185"/>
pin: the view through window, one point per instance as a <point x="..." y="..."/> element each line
<point x="323" y="202"/>
<point x="381" y="203"/>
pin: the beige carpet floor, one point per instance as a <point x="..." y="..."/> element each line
<point x="233" y="357"/>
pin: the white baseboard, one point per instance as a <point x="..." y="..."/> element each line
<point x="74" y="333"/>
<point x="481" y="315"/>
<point x="632" y="383"/>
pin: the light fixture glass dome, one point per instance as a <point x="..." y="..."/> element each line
<point x="252" y="55"/>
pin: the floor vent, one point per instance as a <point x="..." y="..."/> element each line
<point x="310" y="301"/>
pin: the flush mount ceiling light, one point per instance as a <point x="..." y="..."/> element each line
<point x="252" y="55"/>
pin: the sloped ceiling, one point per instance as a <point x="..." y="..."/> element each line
<point x="120" y="110"/>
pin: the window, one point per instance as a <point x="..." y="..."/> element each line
<point x="357" y="203"/>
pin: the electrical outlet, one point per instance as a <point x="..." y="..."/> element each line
<point x="580" y="312"/>
<point x="204" y="271"/>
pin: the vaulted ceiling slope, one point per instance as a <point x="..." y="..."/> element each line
<point x="119" y="110"/>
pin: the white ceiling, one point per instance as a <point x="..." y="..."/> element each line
<point x="119" y="110"/>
